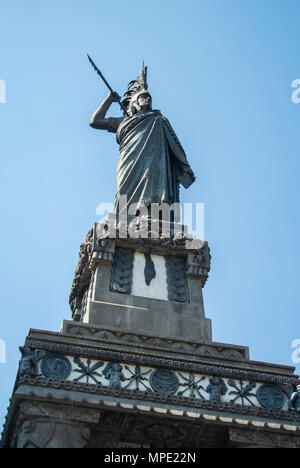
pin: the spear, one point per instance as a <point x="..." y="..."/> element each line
<point x="106" y="82"/>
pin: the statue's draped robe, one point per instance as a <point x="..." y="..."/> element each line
<point x="152" y="161"/>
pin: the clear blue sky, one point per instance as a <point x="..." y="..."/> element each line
<point x="221" y="71"/>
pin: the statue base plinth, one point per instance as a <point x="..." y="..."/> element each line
<point x="144" y="285"/>
<point x="151" y="316"/>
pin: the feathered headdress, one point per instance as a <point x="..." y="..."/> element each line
<point x="135" y="89"/>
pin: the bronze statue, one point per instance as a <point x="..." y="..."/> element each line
<point x="152" y="162"/>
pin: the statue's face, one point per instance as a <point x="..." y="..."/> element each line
<point x="144" y="102"/>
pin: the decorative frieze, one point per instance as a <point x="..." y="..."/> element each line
<point x="146" y="360"/>
<point x="119" y="375"/>
<point x="113" y="397"/>
<point x="207" y="350"/>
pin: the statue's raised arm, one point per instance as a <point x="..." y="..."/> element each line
<point x="152" y="163"/>
<point x="99" y="120"/>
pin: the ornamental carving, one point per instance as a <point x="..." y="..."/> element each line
<point x="121" y="274"/>
<point x="164" y="381"/>
<point x="271" y="396"/>
<point x="176" y="278"/>
<point x="56" y="366"/>
<point x="82" y="275"/>
<point x="43" y="434"/>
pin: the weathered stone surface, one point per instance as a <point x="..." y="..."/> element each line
<point x="245" y="438"/>
<point x="41" y="424"/>
<point x="152" y="316"/>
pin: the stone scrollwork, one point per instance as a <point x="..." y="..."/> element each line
<point x="82" y="275"/>
<point x="176" y="278"/>
<point x="198" y="264"/>
<point x="121" y="275"/>
<point x="108" y="244"/>
<point x="93" y="250"/>
<point x="103" y="247"/>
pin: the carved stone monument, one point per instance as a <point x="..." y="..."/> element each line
<point x="137" y="366"/>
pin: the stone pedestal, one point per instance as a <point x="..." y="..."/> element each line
<point x="146" y="285"/>
<point x="137" y="366"/>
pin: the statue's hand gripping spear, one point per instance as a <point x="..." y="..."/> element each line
<point x="107" y="84"/>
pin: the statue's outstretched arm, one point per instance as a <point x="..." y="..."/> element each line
<point x="98" y="119"/>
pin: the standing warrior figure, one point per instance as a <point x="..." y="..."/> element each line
<point x="216" y="388"/>
<point x="294" y="403"/>
<point x="152" y="162"/>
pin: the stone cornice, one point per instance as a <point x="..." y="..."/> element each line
<point x="145" y="341"/>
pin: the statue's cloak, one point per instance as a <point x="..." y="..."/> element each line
<point x="152" y="161"/>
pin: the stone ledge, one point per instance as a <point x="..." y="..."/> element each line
<point x="144" y="340"/>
